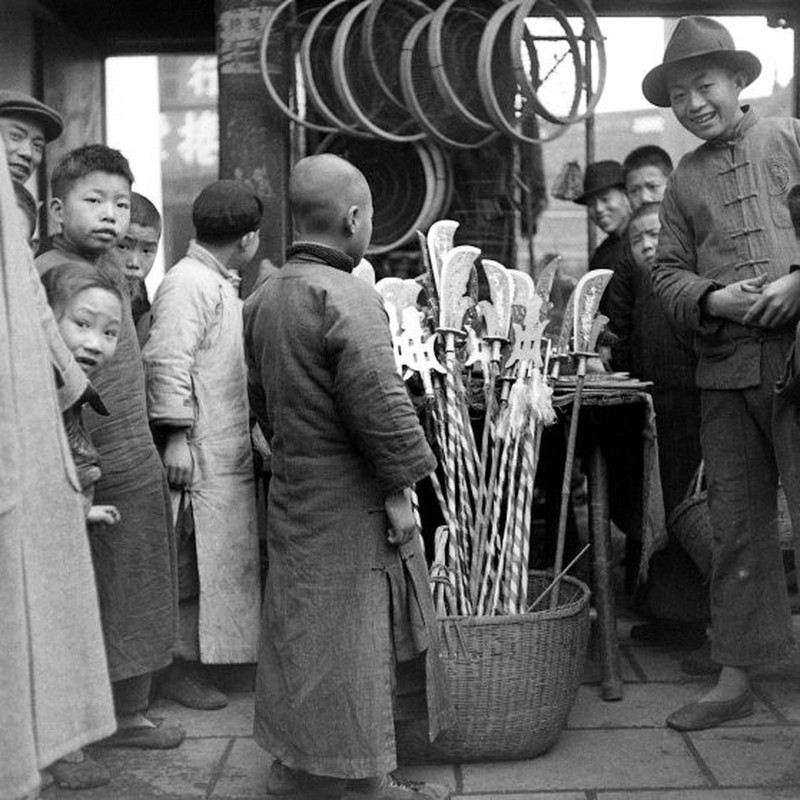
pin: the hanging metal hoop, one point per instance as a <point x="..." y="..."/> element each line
<point x="344" y="79"/>
<point x="285" y="68"/>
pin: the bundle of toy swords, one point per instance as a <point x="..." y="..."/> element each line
<point x="479" y="324"/>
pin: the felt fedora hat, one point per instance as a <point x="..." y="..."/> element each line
<point x="13" y="103"/>
<point x="697" y="37"/>
<point x="600" y="176"/>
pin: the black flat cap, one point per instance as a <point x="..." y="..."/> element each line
<point x="225" y="209"/>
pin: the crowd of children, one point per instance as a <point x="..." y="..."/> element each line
<point x="139" y="562"/>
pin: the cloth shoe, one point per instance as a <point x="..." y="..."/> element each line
<point x="146" y="738"/>
<point x="393" y="787"/>
<point x="79" y="773"/>
<point x="701" y="715"/>
<point x="184" y="683"/>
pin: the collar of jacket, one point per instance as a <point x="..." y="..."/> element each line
<point x="742" y="126"/>
<point x="199" y="253"/>
<point x="59" y="243"/>
<point x="321" y="253"/>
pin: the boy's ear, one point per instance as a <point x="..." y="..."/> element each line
<point x="57" y="209"/>
<point x="352" y="220"/>
<point x="246" y="240"/>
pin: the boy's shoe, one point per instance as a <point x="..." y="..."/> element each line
<point x="160" y="737"/>
<point x="392" y="787"/>
<point x="184" y="683"/>
<point x="85" y="773"/>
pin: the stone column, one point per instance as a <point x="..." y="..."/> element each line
<point x="253" y="133"/>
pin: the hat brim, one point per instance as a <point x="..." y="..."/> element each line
<point x="52" y="126"/>
<point x="654" y="85"/>
<point x="583" y="199"/>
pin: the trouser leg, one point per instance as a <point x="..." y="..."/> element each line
<point x="750" y="616"/>
<point x="132" y="695"/>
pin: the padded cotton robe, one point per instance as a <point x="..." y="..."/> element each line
<point x="343" y="434"/>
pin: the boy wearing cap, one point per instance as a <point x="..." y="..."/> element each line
<point x="26" y="125"/>
<point x="197" y="402"/>
<point x="723" y="271"/>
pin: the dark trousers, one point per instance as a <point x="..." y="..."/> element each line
<point x="132" y="695"/>
<point x="750" y="437"/>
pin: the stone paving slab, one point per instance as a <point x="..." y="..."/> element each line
<point x="783" y="696"/>
<point x="703" y="794"/>
<point x="645" y="706"/>
<point x="751" y="756"/>
<point x="524" y="796"/>
<point x="594" y="759"/>
<point x="184" y="772"/>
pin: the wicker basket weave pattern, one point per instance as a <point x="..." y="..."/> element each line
<point x="513" y="681"/>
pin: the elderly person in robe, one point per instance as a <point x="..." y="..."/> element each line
<point x="55" y="694"/>
<point x="347" y="612"/>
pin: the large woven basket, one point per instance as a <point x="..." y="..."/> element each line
<point x="513" y="681"/>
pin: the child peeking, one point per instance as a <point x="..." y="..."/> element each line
<point x="87" y="305"/>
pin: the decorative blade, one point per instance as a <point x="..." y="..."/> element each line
<point x="440" y="242"/>
<point x="399" y="293"/>
<point x="600" y="322"/>
<point x="528" y="328"/>
<point x="547" y="276"/>
<point x="416" y="352"/>
<point x="497" y="313"/>
<point x="524" y="287"/>
<point x="365" y="271"/>
<point x="454" y="298"/>
<point x="565" y="334"/>
<point x="588" y="294"/>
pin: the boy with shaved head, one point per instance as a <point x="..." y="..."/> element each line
<point x="347" y="611"/>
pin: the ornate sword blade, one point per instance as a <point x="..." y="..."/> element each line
<point x="588" y="294"/>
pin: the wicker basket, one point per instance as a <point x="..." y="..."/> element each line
<point x="513" y="680"/>
<point x="690" y="521"/>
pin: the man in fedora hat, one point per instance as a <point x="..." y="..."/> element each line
<point x="607" y="204"/>
<point x="724" y="273"/>
<point x="26" y="125"/>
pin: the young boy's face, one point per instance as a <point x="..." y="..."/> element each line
<point x="24" y="142"/>
<point x="89" y="325"/>
<point x="610" y="210"/>
<point x="643" y="235"/>
<point x="95" y="213"/>
<point x="645" y="185"/>
<point x="705" y="98"/>
<point x="135" y="253"/>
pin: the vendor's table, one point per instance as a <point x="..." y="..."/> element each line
<point x="595" y="412"/>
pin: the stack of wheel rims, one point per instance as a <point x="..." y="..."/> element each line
<point x="398" y="84"/>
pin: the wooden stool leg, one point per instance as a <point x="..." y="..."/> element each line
<point x="600" y="530"/>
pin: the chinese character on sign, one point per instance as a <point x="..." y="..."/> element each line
<point x="203" y="77"/>
<point x="199" y="138"/>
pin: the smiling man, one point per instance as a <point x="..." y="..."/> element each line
<point x="608" y="206"/>
<point x="26" y="125"/>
